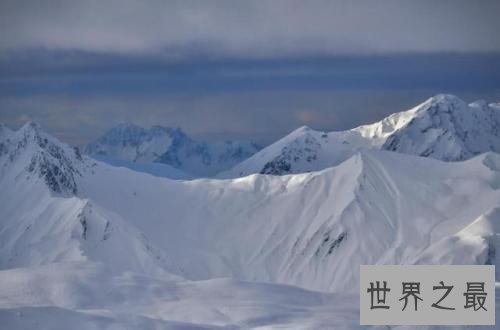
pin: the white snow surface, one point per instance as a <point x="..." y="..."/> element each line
<point x="86" y="245"/>
<point x="155" y="169"/>
<point x="443" y="127"/>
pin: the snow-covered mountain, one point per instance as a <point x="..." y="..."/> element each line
<point x="84" y="241"/>
<point x="443" y="127"/>
<point x="43" y="220"/>
<point x="170" y="146"/>
<point x="200" y="223"/>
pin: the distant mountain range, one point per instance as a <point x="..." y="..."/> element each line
<point x="168" y="146"/>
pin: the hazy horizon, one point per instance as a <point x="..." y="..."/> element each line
<point x="263" y="139"/>
<point x="253" y="70"/>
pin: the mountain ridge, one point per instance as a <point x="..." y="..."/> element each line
<point x="128" y="248"/>
<point x="442" y="127"/>
<point x="282" y="229"/>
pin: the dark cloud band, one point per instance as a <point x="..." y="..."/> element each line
<point x="251" y="28"/>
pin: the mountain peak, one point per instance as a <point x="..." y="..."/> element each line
<point x="447" y="128"/>
<point x="303" y="128"/>
<point x="170" y="146"/>
<point x="445" y="98"/>
<point x="442" y="103"/>
<point x="32" y="151"/>
<point x="132" y="134"/>
<point x="443" y="127"/>
<point x="31" y="128"/>
<point x="31" y="125"/>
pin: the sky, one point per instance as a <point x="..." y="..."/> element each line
<point x="238" y="69"/>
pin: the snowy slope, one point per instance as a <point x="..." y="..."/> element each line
<point x="478" y="243"/>
<point x="170" y="146"/>
<point x="93" y="296"/>
<point x="88" y="296"/>
<point x="42" y="219"/>
<point x="443" y="127"/>
<point x="311" y="230"/>
<point x="83" y="241"/>
<point x="155" y="169"/>
<point x="290" y="229"/>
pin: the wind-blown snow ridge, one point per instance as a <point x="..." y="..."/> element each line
<point x="443" y="127"/>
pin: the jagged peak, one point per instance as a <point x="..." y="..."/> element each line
<point x="31" y="128"/>
<point x="32" y="132"/>
<point x="31" y="125"/>
<point x="135" y="133"/>
<point x="36" y="153"/>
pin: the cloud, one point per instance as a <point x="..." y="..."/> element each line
<point x="250" y="28"/>
<point x="77" y="96"/>
<point x="238" y="68"/>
